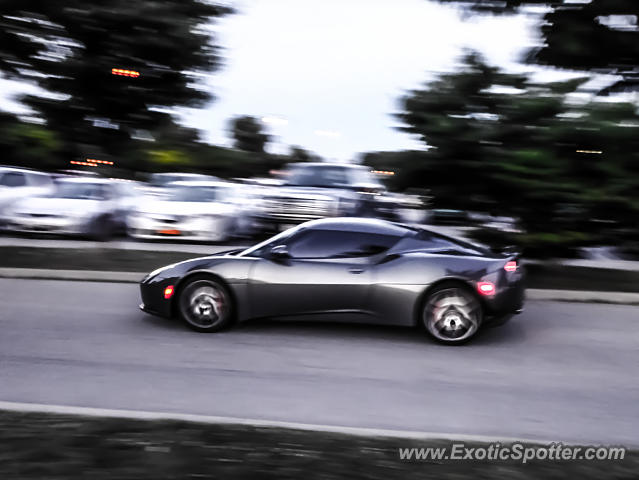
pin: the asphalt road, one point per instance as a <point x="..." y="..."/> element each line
<point x="559" y="371"/>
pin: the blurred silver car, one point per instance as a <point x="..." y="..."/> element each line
<point x="193" y="210"/>
<point x="92" y="207"/>
<point x="17" y="183"/>
<point x="316" y="190"/>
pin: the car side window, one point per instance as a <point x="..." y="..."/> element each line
<point x="106" y="192"/>
<point x="435" y="243"/>
<point x="336" y="244"/>
<point x="39" y="180"/>
<point x="13" y="179"/>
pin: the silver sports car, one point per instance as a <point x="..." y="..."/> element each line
<point x="345" y="269"/>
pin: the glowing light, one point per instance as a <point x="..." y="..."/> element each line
<point x="103" y="162"/>
<point x="125" y="73"/>
<point x="86" y="164"/>
<point x="383" y="172"/>
<point x="168" y="292"/>
<point x="90" y="162"/>
<point x="170" y="232"/>
<point x="486" y="288"/>
<point x="511" y="266"/>
<point x="596" y="152"/>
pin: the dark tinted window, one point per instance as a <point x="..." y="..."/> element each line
<point x="82" y="191"/>
<point x="13" y="179"/>
<point x="39" y="180"/>
<point x="336" y="244"/>
<point x="435" y="243"/>
<point x="317" y="176"/>
<point x="195" y="194"/>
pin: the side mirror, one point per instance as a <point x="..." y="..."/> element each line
<point x="279" y="253"/>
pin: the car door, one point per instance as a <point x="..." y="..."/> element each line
<point x="327" y="271"/>
<point x="13" y="185"/>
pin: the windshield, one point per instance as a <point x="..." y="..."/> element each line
<point x="255" y="250"/>
<point x="83" y="191"/>
<point x="328" y="176"/>
<point x="194" y="194"/>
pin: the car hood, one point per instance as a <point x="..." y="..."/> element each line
<point x="52" y="205"/>
<point x="163" y="207"/>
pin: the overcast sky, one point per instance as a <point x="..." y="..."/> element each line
<point x="329" y="73"/>
<point x="333" y="70"/>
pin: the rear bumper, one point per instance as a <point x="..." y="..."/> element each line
<point x="508" y="302"/>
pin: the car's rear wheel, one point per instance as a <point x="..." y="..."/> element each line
<point x="101" y="229"/>
<point x="205" y="305"/>
<point x="452" y="313"/>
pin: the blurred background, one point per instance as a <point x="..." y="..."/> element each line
<point x="510" y="123"/>
<point x="165" y="129"/>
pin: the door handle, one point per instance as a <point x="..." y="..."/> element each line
<point x="356" y="270"/>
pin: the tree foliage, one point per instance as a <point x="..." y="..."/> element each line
<point x="248" y="134"/>
<point x="595" y="35"/>
<point x="69" y="48"/>
<point x="503" y="143"/>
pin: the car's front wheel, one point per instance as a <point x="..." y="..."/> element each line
<point x="205" y="305"/>
<point x="452" y="313"/>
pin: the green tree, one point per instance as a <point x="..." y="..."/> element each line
<point x="501" y="142"/>
<point x="27" y="144"/>
<point x="248" y="134"/>
<point x="299" y="154"/>
<point x="69" y="48"/>
<point x="595" y="35"/>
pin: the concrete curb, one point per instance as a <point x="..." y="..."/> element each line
<point x="80" y="275"/>
<point x="220" y="420"/>
<point x="622" y="298"/>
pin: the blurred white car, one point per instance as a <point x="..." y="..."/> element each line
<point x="93" y="207"/>
<point x="158" y="181"/>
<point x="193" y="210"/>
<point x="16" y="183"/>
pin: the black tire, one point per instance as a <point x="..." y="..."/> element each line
<point x="101" y="229"/>
<point x="452" y="313"/>
<point x="205" y="305"/>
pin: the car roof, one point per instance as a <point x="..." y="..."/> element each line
<point x="20" y="169"/>
<point x="101" y="181"/>
<point x="200" y="183"/>
<point x="326" y="164"/>
<point x="360" y="225"/>
<point x="179" y="174"/>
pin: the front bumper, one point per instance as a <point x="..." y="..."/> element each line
<point x="59" y="225"/>
<point x="152" y="294"/>
<point x="212" y="229"/>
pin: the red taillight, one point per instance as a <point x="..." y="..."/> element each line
<point x="511" y="266"/>
<point x="168" y="292"/>
<point x="486" y="288"/>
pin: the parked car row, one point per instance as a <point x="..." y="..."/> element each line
<point x="190" y="206"/>
<point x="93" y="207"/>
<point x="319" y="190"/>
